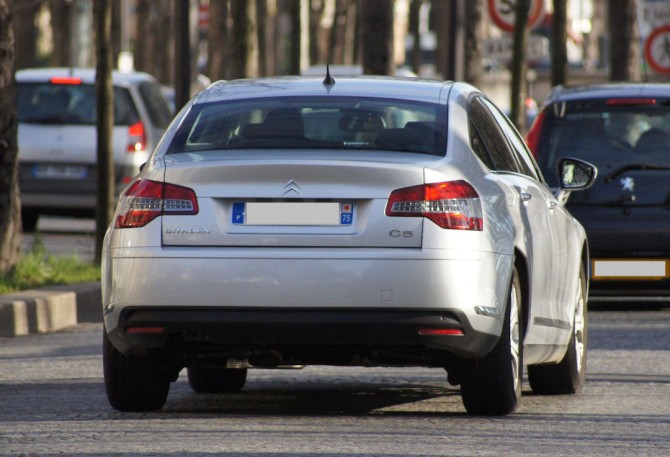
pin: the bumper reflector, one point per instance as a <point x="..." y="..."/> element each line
<point x="441" y="331"/>
<point x="145" y="330"/>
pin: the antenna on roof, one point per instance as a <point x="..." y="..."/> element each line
<point x="328" y="80"/>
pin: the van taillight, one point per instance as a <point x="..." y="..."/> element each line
<point x="451" y="204"/>
<point x="145" y="200"/>
<point x="137" y="137"/>
<point x="67" y="80"/>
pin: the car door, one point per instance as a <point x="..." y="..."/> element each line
<point x="541" y="230"/>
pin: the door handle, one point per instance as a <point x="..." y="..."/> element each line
<point x="525" y="196"/>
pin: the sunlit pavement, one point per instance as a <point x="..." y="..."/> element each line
<point x="64" y="236"/>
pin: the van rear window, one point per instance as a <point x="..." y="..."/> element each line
<point x="69" y="104"/>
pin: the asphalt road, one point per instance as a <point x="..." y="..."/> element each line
<point x="52" y="401"/>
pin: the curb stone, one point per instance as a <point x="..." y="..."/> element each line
<point x="49" y="309"/>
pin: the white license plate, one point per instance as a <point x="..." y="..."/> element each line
<point x="292" y="213"/>
<point x="43" y="171"/>
<point x="630" y="269"/>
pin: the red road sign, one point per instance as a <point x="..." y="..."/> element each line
<point x="657" y="49"/>
<point x="502" y="13"/>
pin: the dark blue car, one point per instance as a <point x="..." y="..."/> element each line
<point x="623" y="129"/>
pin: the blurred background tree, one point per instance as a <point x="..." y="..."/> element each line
<point x="10" y="206"/>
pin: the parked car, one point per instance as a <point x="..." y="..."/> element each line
<point x="363" y="221"/>
<point x="57" y="136"/>
<point x="622" y="129"/>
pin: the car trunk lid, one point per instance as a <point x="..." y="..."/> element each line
<point x="293" y="202"/>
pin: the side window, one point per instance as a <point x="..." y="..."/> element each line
<point x="486" y="130"/>
<point x="527" y="164"/>
<point x="478" y="147"/>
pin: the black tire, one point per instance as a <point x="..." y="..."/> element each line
<point x="568" y="376"/>
<point x="29" y="220"/>
<point x="133" y="384"/>
<point x="492" y="385"/>
<point x="207" y="380"/>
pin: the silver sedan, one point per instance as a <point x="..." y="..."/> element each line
<point x="358" y="221"/>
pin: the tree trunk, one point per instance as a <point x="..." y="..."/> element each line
<point x="244" y="48"/>
<point x="143" y="44"/>
<point x="416" y="54"/>
<point x="182" y="53"/>
<point x="377" y="37"/>
<point x="10" y="205"/>
<point x="316" y="11"/>
<point x="519" y="87"/>
<point x="473" y="41"/>
<point x="217" y="39"/>
<point x="262" y="37"/>
<point x="293" y="8"/>
<point x="559" y="36"/>
<point x="102" y="15"/>
<point x="624" y="41"/>
<point x="153" y="46"/>
<point x="163" y="52"/>
<point x="340" y="48"/>
<point x="25" y="31"/>
<point x="61" y="26"/>
<point x="447" y="19"/>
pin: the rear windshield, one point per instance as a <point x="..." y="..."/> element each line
<point x="614" y="135"/>
<point x="69" y="104"/>
<point x="315" y="123"/>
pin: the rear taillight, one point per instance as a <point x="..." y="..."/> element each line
<point x="534" y="132"/>
<point x="137" y="137"/>
<point x="68" y="80"/>
<point x="451" y="205"/>
<point x="631" y="101"/>
<point x="145" y="200"/>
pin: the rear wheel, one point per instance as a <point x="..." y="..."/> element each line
<point x="216" y="379"/>
<point x="29" y="220"/>
<point x="492" y="386"/>
<point x="568" y="376"/>
<point x="133" y="383"/>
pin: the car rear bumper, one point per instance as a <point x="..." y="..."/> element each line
<point x="328" y="336"/>
<point x="629" y="291"/>
<point x="626" y="278"/>
<point x="320" y="297"/>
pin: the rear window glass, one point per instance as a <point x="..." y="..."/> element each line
<point x="315" y="123"/>
<point x="611" y="134"/>
<point x="69" y="104"/>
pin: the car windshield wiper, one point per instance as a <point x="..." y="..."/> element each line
<point x="634" y="166"/>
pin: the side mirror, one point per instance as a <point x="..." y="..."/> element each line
<point x="576" y="174"/>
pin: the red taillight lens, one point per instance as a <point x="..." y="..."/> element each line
<point x="145" y="330"/>
<point x="71" y="80"/>
<point x="441" y="332"/>
<point x="630" y="101"/>
<point x="451" y="205"/>
<point x="137" y="137"/>
<point x="145" y="200"/>
<point x="534" y="132"/>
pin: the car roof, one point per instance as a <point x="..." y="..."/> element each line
<point x="608" y="90"/>
<point x="87" y="75"/>
<point x="431" y="91"/>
